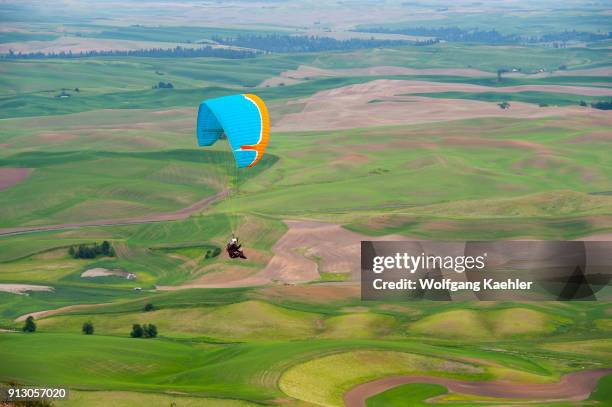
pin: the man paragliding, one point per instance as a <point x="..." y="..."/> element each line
<point x="234" y="249"/>
<point x="245" y="122"/>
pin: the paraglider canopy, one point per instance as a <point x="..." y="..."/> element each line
<point x="244" y="120"/>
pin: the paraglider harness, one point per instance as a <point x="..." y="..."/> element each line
<point x="233" y="249"/>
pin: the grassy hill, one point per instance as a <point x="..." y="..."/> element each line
<point x="186" y="359"/>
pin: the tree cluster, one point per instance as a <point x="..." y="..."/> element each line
<point x="421" y="43"/>
<point x="177" y="52"/>
<point x="163" y="85"/>
<point x="296" y="43"/>
<point x="212" y="253"/>
<point x="572" y="36"/>
<point x="451" y="34"/>
<point x="602" y="105"/>
<point x="492" y="37"/>
<point x="143" y="331"/>
<point x="138" y="331"/>
<point x="91" y="251"/>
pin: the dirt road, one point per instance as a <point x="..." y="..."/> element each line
<point x="572" y="387"/>
<point x="50" y="312"/>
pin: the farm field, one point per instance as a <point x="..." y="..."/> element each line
<point x="407" y="122"/>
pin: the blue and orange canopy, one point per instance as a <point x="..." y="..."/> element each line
<point x="245" y="121"/>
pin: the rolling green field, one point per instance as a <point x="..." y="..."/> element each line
<point x="206" y="360"/>
<point x="119" y="83"/>
<point x="407" y="393"/>
<point x="553" y="177"/>
<point x="118" y="150"/>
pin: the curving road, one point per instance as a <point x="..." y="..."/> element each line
<point x="572" y="387"/>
